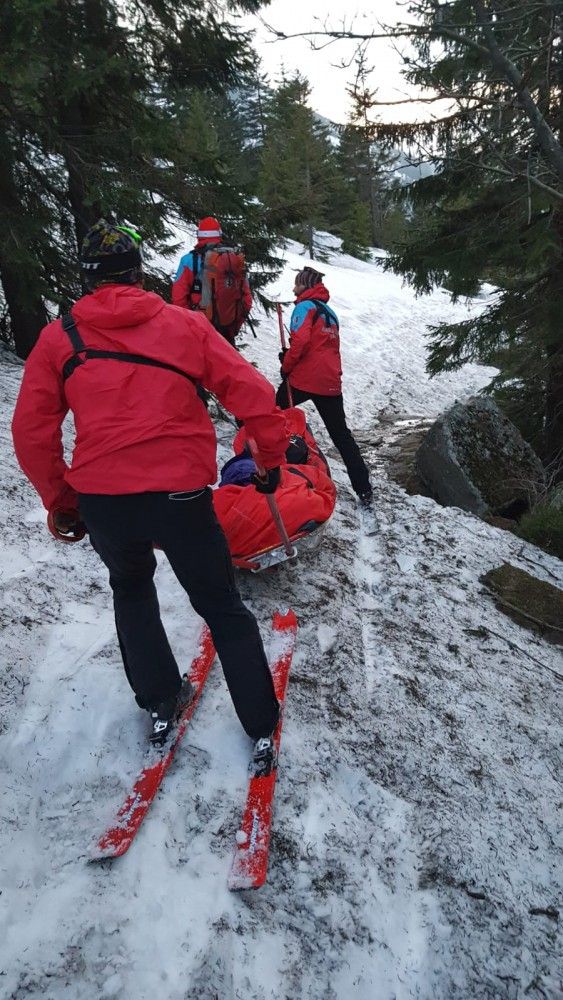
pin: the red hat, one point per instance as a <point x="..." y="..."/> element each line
<point x="208" y="227"/>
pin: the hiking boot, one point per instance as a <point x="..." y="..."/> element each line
<point x="366" y="498"/>
<point x="264" y="757"/>
<point x="165" y="715"/>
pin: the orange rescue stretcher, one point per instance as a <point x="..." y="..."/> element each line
<point x="305" y="499"/>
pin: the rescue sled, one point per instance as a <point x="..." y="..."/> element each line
<point x="306" y="541"/>
<point x="262" y="532"/>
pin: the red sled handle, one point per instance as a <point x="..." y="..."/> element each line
<point x="280" y="324"/>
<point x="272" y="504"/>
<point x="284" y="348"/>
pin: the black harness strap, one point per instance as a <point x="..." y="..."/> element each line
<point x="198" y="256"/>
<point x="83" y="354"/>
<point x="71" y="329"/>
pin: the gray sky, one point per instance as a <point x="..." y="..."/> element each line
<point x="328" y="81"/>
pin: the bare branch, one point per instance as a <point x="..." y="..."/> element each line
<point x="407" y="31"/>
<point x="524" y="176"/>
<point x="551" y="148"/>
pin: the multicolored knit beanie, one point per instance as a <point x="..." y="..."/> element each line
<point x="111" y="255"/>
<point x="308" y="277"/>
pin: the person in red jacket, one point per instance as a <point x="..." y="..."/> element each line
<point x="127" y="365"/>
<point x="313" y="368"/>
<point x="186" y="287"/>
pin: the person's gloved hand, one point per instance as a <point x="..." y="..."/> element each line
<point x="269" y="483"/>
<point x="65" y="524"/>
<point x="282" y="354"/>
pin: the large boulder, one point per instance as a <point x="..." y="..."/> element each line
<point x="473" y="457"/>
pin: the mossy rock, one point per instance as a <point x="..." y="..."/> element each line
<point x="473" y="457"/>
<point x="534" y="601"/>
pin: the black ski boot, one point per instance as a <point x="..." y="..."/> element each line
<point x="366" y="498"/>
<point x="264" y="758"/>
<point x="165" y="715"/>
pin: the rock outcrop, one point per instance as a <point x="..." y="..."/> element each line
<point x="473" y="457"/>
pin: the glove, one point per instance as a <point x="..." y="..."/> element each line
<point x="282" y="354"/>
<point x="65" y="525"/>
<point x="269" y="483"/>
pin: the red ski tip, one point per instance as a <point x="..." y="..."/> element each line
<point x="282" y="623"/>
<point x="249" y="867"/>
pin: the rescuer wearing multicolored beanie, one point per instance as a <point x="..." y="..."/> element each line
<point x="128" y="365"/>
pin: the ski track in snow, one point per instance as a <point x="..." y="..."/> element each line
<point x="418" y="808"/>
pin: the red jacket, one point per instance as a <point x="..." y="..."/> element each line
<point x="138" y="428"/>
<point x="184" y="280"/>
<point x="313" y="360"/>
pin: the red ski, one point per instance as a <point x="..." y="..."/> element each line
<point x="115" y="841"/>
<point x="250" y="863"/>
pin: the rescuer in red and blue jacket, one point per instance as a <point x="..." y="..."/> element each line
<point x="312" y="366"/>
<point x="209" y="234"/>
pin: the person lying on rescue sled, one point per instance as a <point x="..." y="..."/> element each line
<point x="127" y="364"/>
<point x="312" y="366"/>
<point x="305" y="497"/>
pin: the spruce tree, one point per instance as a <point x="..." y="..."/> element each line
<point x="98" y="105"/>
<point x="297" y="157"/>
<point x="494" y="208"/>
<point x="361" y="159"/>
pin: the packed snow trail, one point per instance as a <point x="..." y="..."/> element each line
<point x="415" y="847"/>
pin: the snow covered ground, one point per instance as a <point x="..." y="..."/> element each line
<point x="417" y="834"/>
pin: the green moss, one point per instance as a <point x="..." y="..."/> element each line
<point x="544" y="527"/>
<point x="518" y="591"/>
<point x="488" y="449"/>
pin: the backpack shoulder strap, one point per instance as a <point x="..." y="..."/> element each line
<point x="198" y="256"/>
<point x="321" y="309"/>
<point x="198" y="253"/>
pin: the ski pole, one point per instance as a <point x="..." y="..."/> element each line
<point x="284" y="348"/>
<point x="272" y="503"/>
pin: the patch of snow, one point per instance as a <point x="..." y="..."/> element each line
<point x="327" y="636"/>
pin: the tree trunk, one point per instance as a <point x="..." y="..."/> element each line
<point x="554" y="414"/>
<point x="27" y="311"/>
<point x="78" y="117"/>
<point x="75" y="122"/>
<point x="19" y="282"/>
<point x="310" y="229"/>
<point x="554" y="386"/>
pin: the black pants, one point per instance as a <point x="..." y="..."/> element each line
<point x="331" y="412"/>
<point x="122" y="531"/>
